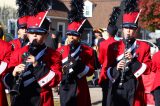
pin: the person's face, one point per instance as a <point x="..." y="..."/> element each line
<point x="128" y="32"/>
<point x="21" y="33"/>
<point x="74" y="39"/>
<point x="39" y="37"/>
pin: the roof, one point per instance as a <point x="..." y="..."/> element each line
<point x="101" y="11"/>
<point x="58" y="14"/>
<point x="58" y="10"/>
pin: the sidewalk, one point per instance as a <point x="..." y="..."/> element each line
<point x="96" y="96"/>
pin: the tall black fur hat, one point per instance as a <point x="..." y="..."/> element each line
<point x="112" y="28"/>
<point x="130" y="6"/>
<point x="32" y="7"/>
<point x="76" y="18"/>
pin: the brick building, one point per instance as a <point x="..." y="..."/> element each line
<point x="100" y="12"/>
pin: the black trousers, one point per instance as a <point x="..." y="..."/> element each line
<point x="104" y="92"/>
<point x="156" y="95"/>
<point x="123" y="96"/>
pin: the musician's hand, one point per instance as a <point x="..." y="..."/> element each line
<point x="120" y="65"/>
<point x="18" y="69"/>
<point x="128" y="56"/>
<point x="32" y="59"/>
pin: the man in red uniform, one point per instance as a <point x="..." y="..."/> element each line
<point x="125" y="62"/>
<point x="5" y="52"/>
<point x="22" y="36"/>
<point x="112" y="30"/>
<point x="74" y="89"/>
<point x="156" y="83"/>
<point x="138" y="56"/>
<point x="40" y="70"/>
<point x="77" y="61"/>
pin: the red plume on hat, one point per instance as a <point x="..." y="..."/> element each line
<point x="131" y="14"/>
<point x="75" y="18"/>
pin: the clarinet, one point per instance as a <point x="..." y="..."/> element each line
<point x="125" y="68"/>
<point x="66" y="67"/>
<point x="16" y="87"/>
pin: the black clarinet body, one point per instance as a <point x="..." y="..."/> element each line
<point x="66" y="67"/>
<point x="125" y="68"/>
<point x="16" y="87"/>
<point x="70" y="59"/>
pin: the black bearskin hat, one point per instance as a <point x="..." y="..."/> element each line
<point x="112" y="28"/>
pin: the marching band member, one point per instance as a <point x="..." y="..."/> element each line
<point x="77" y="62"/>
<point x="44" y="71"/>
<point x="22" y="36"/>
<point x="5" y="52"/>
<point x="103" y="48"/>
<point x="126" y="61"/>
<point x="35" y="68"/>
<point x="156" y="82"/>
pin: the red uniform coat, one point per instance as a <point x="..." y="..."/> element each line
<point x="16" y="44"/>
<point x="102" y="57"/>
<point x="52" y="59"/>
<point x="141" y="50"/>
<point x="156" y="69"/>
<point x="87" y="57"/>
<point x="4" y="60"/>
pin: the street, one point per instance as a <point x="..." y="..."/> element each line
<point x="95" y="93"/>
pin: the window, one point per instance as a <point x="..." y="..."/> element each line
<point x="61" y="28"/>
<point x="86" y="37"/>
<point x="12" y="27"/>
<point x="88" y="8"/>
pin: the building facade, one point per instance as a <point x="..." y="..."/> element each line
<point x="98" y="15"/>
